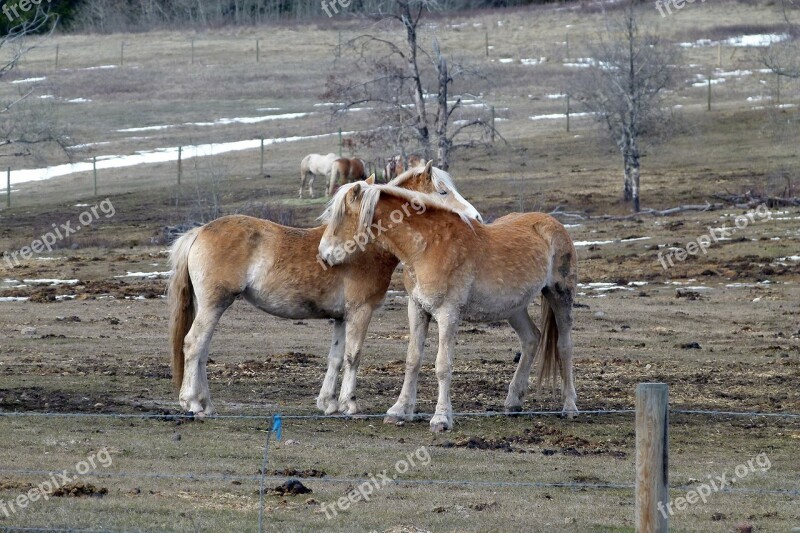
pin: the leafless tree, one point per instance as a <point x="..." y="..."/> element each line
<point x="22" y="124"/>
<point x="783" y="58"/>
<point x="392" y="76"/>
<point x="625" y="89"/>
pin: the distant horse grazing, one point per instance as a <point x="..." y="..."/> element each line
<point x="346" y="170"/>
<point x="277" y="269"/>
<point x="458" y="269"/>
<point x="314" y="165"/>
<point x="395" y="166"/>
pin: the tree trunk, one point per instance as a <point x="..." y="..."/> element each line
<point x="443" y="152"/>
<point x="635" y="182"/>
<point x="421" y="123"/>
<point x="628" y="182"/>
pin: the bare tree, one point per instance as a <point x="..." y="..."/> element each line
<point x="783" y="58"/>
<point x="625" y="89"/>
<point x="23" y="124"/>
<point x="392" y="76"/>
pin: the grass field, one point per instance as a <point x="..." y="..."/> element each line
<point x="722" y="329"/>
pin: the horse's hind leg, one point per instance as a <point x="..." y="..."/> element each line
<point x="311" y="177"/>
<point x="529" y="336"/>
<point x="356" y="330"/>
<point x="418" y="321"/>
<point x="326" y="401"/>
<point x="194" y="395"/>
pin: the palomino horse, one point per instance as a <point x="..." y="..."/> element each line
<point x="314" y="165"/>
<point x="455" y="269"/>
<point x="277" y="269"/>
<point x="346" y="170"/>
<point x="394" y="167"/>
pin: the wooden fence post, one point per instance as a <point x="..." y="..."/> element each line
<point x="494" y="116"/>
<point x="262" y="156"/>
<point x="568" y="112"/>
<point x="56" y="68"/>
<point x="94" y="173"/>
<point x="180" y="153"/>
<point x="709" y="94"/>
<point x="652" y="457"/>
<point x="122" y="53"/>
<point x="257" y="50"/>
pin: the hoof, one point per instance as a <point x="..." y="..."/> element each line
<point x="394" y="419"/>
<point x="513" y="409"/>
<point x="439" y="427"/>
<point x="570" y="414"/>
<point x="332" y="408"/>
<point x="348" y="407"/>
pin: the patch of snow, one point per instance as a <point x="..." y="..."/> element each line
<point x="30" y="80"/>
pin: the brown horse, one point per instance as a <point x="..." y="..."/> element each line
<point x="346" y="170"/>
<point x="395" y="166"/>
<point x="456" y="268"/>
<point x="277" y="269"/>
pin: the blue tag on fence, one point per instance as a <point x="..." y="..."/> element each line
<point x="277" y="426"/>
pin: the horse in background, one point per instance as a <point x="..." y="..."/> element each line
<point x="314" y="165"/>
<point x="346" y="170"/>
<point x="396" y="166"/>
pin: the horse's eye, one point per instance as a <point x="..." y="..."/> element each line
<point x="443" y="193"/>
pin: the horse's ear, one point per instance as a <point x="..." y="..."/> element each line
<point x="428" y="172"/>
<point x="354" y="194"/>
<point x="371" y="179"/>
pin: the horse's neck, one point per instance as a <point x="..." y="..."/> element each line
<point x="407" y="239"/>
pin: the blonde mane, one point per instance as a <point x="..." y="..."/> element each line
<point x="441" y="179"/>
<point x="334" y="211"/>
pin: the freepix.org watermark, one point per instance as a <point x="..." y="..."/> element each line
<point x="714" y="235"/>
<point x="12" y="9"/>
<point x="715" y="484"/>
<point x="59" y="232"/>
<point x="364" y="491"/>
<point x="328" y="5"/>
<point x="662" y="5"/>
<point x="45" y="489"/>
<point x="361" y="240"/>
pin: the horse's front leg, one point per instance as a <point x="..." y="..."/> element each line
<point x="448" y="327"/>
<point x="357" y="322"/>
<point x="418" y="321"/>
<point x="326" y="401"/>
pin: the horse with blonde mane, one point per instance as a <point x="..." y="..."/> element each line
<point x="277" y="269"/>
<point x="346" y="170"/>
<point x="455" y="269"/>
<point x="314" y="165"/>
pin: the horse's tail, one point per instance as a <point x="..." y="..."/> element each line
<point x="304" y="164"/>
<point x="559" y="292"/>
<point x="180" y="297"/>
<point x="548" y="360"/>
<point x="336" y="175"/>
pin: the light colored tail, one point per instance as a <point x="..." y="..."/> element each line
<point x="180" y="297"/>
<point x="548" y="360"/>
<point x="336" y="172"/>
